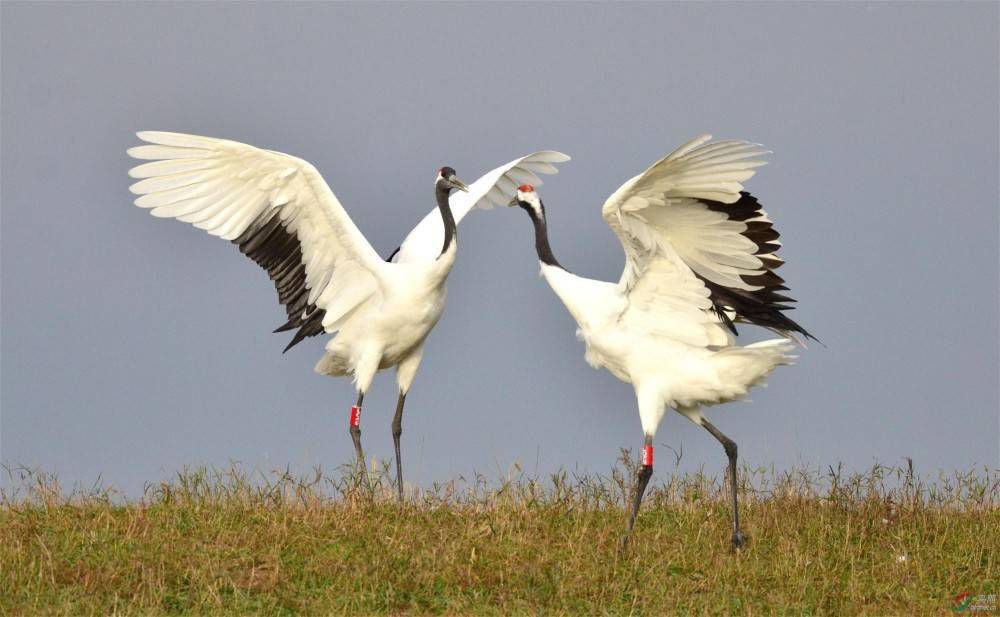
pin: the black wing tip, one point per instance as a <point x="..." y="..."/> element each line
<point x="279" y="252"/>
<point x="309" y="325"/>
<point x="809" y="335"/>
<point x="791" y="326"/>
<point x="298" y="338"/>
<point x="790" y="334"/>
<point x="763" y="307"/>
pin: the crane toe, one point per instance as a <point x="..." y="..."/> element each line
<point x="739" y="540"/>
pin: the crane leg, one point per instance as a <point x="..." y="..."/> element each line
<point x="356" y="437"/>
<point x="730" y="446"/>
<point x="642" y="479"/>
<point x="397" y="430"/>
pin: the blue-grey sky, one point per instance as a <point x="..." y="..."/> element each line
<point x="133" y="346"/>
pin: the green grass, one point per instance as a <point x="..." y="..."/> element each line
<point x="879" y="543"/>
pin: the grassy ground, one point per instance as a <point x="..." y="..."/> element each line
<point x="223" y="542"/>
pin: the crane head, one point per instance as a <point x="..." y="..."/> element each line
<point x="527" y="198"/>
<point x="447" y="179"/>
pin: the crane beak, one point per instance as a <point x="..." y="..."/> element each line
<point x="512" y="202"/>
<point x="458" y="184"/>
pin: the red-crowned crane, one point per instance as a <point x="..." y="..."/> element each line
<point x="280" y="212"/>
<point x="700" y="255"/>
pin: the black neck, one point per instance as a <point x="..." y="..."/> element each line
<point x="541" y="236"/>
<point x="441" y="192"/>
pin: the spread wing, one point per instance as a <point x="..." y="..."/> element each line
<point x="276" y="208"/>
<point x="496" y="187"/>
<point x="694" y="239"/>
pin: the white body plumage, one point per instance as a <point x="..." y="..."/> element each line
<point x="665" y="372"/>
<point x="391" y="332"/>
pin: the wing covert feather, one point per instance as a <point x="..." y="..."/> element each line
<point x="688" y="216"/>
<point x="276" y="207"/>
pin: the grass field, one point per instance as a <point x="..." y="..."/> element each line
<point x="880" y="543"/>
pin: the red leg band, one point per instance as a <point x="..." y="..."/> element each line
<point x="647" y="456"/>
<point x="355" y="416"/>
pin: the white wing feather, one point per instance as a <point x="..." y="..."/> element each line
<point x="667" y="234"/>
<point x="226" y="187"/>
<point x="496" y="187"/>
